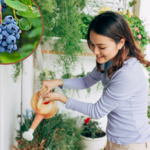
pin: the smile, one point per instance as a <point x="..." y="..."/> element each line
<point x="99" y="57"/>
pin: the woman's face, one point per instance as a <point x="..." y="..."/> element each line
<point x="103" y="46"/>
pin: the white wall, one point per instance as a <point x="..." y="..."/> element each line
<point x="10" y="101"/>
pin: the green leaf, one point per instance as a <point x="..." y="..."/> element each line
<point x="16" y="5"/>
<point x="27" y="2"/>
<point x="25" y="24"/>
<point x="36" y="22"/>
<point x="26" y="50"/>
<point x="29" y="13"/>
<point x="35" y="32"/>
<point x="9" y="58"/>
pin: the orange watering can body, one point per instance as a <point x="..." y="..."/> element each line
<point x="42" y="110"/>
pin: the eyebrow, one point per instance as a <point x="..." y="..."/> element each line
<point x="99" y="44"/>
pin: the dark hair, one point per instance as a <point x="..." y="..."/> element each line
<point x="113" y="25"/>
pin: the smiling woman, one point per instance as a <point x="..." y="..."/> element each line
<point x="124" y="98"/>
<point x="117" y="36"/>
<point x="105" y="50"/>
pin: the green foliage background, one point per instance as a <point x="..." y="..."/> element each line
<point x="59" y="132"/>
<point x="63" y="21"/>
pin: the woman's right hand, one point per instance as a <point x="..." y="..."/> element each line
<point x="50" y="85"/>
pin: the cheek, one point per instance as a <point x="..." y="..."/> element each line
<point x="110" y="52"/>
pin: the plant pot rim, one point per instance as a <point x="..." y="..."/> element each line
<point x="95" y="139"/>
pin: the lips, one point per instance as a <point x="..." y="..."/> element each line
<point x="99" y="57"/>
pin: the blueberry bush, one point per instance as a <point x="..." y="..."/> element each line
<point x="20" y="30"/>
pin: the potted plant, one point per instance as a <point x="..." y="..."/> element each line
<point x="57" y="133"/>
<point x="93" y="136"/>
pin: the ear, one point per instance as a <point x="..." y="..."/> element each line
<point x="122" y="41"/>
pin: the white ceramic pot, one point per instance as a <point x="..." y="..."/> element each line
<point x="94" y="144"/>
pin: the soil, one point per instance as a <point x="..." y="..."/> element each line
<point x="98" y="134"/>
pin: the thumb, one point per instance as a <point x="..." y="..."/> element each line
<point x="46" y="100"/>
<point x="42" y="88"/>
<point x="44" y="96"/>
<point x="47" y="91"/>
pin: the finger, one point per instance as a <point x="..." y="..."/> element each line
<point x="47" y="91"/>
<point x="42" y="88"/>
<point x="39" y="95"/>
<point x="45" y="96"/>
<point x="45" y="100"/>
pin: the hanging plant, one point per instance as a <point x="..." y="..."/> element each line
<point x="63" y="23"/>
<point x="148" y="113"/>
<point x="17" y="67"/>
<point x="99" y="86"/>
<point x="46" y="75"/>
<point x="88" y="91"/>
<point x="47" y="8"/>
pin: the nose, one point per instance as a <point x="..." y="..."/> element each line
<point x="96" y="51"/>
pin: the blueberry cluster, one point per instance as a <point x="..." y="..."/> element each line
<point x="4" y="6"/>
<point x="9" y="33"/>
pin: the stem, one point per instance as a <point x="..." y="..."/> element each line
<point x="31" y="6"/>
<point x="15" y="14"/>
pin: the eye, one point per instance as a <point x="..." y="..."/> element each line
<point x="102" y="48"/>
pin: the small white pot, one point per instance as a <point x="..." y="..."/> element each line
<point x="94" y="144"/>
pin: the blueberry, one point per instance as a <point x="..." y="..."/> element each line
<point x="4" y="43"/>
<point x="15" y="22"/>
<point x="13" y="34"/>
<point x="8" y="51"/>
<point x="17" y="29"/>
<point x="5" y="34"/>
<point x="3" y="26"/>
<point x="0" y="30"/>
<point x="1" y="37"/>
<point x="17" y="36"/>
<point x="2" y="49"/>
<point x="11" y="28"/>
<point x="15" y="47"/>
<point x="11" y="39"/>
<point x="10" y="47"/>
<point x="9" y="19"/>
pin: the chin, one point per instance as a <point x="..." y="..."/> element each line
<point x="101" y="60"/>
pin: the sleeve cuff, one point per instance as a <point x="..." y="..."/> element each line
<point x="68" y="102"/>
<point x="60" y="87"/>
<point x="64" y="86"/>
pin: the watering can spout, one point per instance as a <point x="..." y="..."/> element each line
<point x="28" y="135"/>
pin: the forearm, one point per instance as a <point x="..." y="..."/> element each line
<point x="83" y="82"/>
<point x="63" y="98"/>
<point x="59" y="82"/>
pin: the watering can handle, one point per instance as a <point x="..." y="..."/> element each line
<point x="41" y="99"/>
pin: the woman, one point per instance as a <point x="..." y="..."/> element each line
<point x="125" y="95"/>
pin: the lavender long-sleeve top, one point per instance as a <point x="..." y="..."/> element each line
<point x="124" y="101"/>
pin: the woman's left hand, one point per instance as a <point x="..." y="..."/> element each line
<point x="54" y="97"/>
